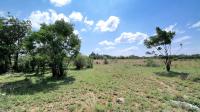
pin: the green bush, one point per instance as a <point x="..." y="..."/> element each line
<point x="24" y="64"/>
<point x="105" y="61"/>
<point x="151" y="63"/>
<point x="79" y="62"/>
<point x="83" y="62"/>
<point x="89" y="63"/>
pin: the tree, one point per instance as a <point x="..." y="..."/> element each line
<point x="161" y="42"/>
<point x="55" y="41"/>
<point x="12" y="31"/>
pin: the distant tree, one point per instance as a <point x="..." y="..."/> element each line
<point x="56" y="42"/>
<point x="93" y="55"/>
<point x="161" y="42"/>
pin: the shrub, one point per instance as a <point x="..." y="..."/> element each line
<point x="105" y="61"/>
<point x="89" y="63"/>
<point x="83" y="62"/>
<point x="80" y="62"/>
<point x="151" y="63"/>
<point x="24" y="64"/>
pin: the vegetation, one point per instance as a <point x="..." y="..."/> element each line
<point x="33" y="65"/>
<point x="143" y="88"/>
<point x="46" y="47"/>
<point x="82" y="61"/>
<point x="12" y="33"/>
<point x="162" y="43"/>
<point x="105" y="61"/>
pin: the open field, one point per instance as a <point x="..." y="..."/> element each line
<point x="143" y="88"/>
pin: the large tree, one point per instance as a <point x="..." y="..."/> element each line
<point x="56" y="42"/>
<point x="161" y="43"/>
<point x="12" y="31"/>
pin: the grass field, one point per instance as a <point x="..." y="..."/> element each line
<point x="143" y="88"/>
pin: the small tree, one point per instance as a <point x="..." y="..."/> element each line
<point x="105" y="60"/>
<point x="80" y="62"/>
<point x="161" y="42"/>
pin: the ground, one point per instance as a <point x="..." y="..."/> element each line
<point x="144" y="88"/>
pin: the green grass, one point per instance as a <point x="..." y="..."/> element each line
<point x="144" y="88"/>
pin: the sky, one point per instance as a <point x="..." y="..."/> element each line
<point x="116" y="27"/>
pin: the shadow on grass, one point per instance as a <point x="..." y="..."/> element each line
<point x="182" y="75"/>
<point x="197" y="79"/>
<point x="28" y="86"/>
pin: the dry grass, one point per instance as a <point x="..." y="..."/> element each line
<point x="144" y="88"/>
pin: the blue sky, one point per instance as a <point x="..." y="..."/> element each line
<point x="116" y="27"/>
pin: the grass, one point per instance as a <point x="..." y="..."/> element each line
<point x="143" y="88"/>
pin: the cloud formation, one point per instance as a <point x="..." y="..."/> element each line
<point x="129" y="37"/>
<point x="60" y="3"/>
<point x="106" y="43"/>
<point x="196" y="25"/>
<point x="88" y="22"/>
<point x="181" y="39"/>
<point x="170" y="28"/>
<point x="48" y="17"/>
<point x="110" y="25"/>
<point x="76" y="16"/>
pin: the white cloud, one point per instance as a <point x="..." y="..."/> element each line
<point x="98" y="50"/>
<point x="88" y="22"/>
<point x="60" y="3"/>
<point x="109" y="48"/>
<point x="181" y="39"/>
<point x="173" y="28"/>
<point x="128" y="37"/>
<point x="106" y="43"/>
<point x="83" y="30"/>
<point x="76" y="16"/>
<point x="76" y="32"/>
<point x="196" y="25"/>
<point x="170" y="28"/>
<point x="109" y="25"/>
<point x="48" y="17"/>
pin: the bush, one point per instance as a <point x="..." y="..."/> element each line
<point x="80" y="62"/>
<point x="83" y="62"/>
<point x="24" y="64"/>
<point x="151" y="63"/>
<point x="89" y="63"/>
<point x="105" y="61"/>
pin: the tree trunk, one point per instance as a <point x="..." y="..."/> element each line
<point x="53" y="71"/>
<point x="168" y="64"/>
<point x="57" y="71"/>
<point x="15" y="67"/>
<point x="61" y="70"/>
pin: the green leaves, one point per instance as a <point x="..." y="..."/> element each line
<point x="55" y="41"/>
<point x="162" y="37"/>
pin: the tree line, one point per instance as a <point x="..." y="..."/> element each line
<point x="180" y="56"/>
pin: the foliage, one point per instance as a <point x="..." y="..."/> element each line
<point x="105" y="61"/>
<point x="151" y="63"/>
<point x="82" y="61"/>
<point x="24" y="64"/>
<point x="102" y="56"/>
<point x="89" y="63"/>
<point x="56" y="42"/>
<point x="12" y="32"/>
<point x="161" y="42"/>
